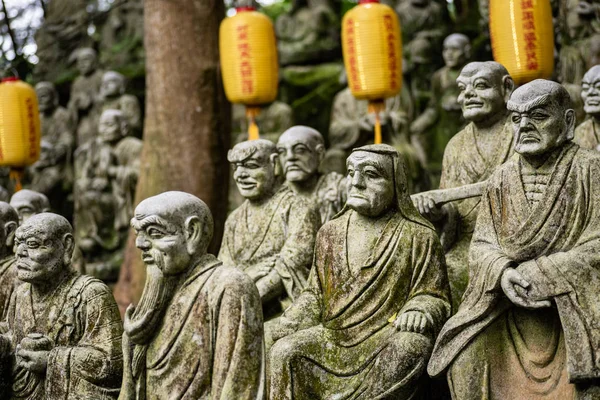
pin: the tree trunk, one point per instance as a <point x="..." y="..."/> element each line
<point x="188" y="119"/>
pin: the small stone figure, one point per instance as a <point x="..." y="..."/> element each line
<point x="587" y="134"/>
<point x="377" y="295"/>
<point x="64" y="329"/>
<point x="197" y="332"/>
<point x="527" y="326"/>
<point x="442" y="118"/>
<point x="107" y="170"/>
<point x="423" y="19"/>
<point x="272" y="234"/>
<point x="308" y="33"/>
<point x="470" y="157"/>
<point x="9" y="221"/>
<point x="301" y="150"/>
<point x="84" y="94"/>
<point x="28" y="203"/>
<point x="113" y="97"/>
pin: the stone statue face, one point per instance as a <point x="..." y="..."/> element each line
<point x="109" y="128"/>
<point x="481" y="94"/>
<point x="456" y="51"/>
<point x="46" y="100"/>
<point x="255" y="175"/>
<point x="112" y="85"/>
<point x="39" y="255"/>
<point x="590" y="91"/>
<point x="86" y="63"/>
<point x="370" y="183"/>
<point x="28" y="203"/>
<point x="300" y="155"/>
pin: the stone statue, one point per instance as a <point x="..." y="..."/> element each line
<point x="301" y="150"/>
<point x="113" y="97"/>
<point x="526" y="328"/>
<point x="442" y="118"/>
<point x="121" y="36"/>
<point x="376" y="298"/>
<point x="28" y="203"/>
<point x="107" y="170"/>
<point x="197" y="332"/>
<point x="308" y="33"/>
<point x="272" y="234"/>
<point x="9" y="221"/>
<point x="63" y="339"/>
<point x="272" y="121"/>
<point x="83" y="102"/>
<point x="587" y="134"/>
<point x="59" y="135"/>
<point x="470" y="157"/>
<point x="418" y="70"/>
<point x="424" y="19"/>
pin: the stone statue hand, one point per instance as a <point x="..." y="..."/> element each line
<point x="259" y="271"/>
<point x="428" y="208"/>
<point x="284" y="327"/>
<point x="412" y="321"/>
<point x="32" y="360"/>
<point x="5" y="346"/>
<point x="515" y="287"/>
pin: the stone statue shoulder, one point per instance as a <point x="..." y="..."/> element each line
<point x="462" y="141"/>
<point x="585" y="135"/>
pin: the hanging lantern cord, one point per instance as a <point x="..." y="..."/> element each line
<point x="251" y="114"/>
<point x="377" y="107"/>
<point x="16" y="176"/>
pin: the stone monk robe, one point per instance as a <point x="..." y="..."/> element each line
<point x="197" y="332"/>
<point x="377" y="296"/>
<point x="64" y="329"/>
<point x="9" y="220"/>
<point x="271" y="236"/>
<point x="587" y="135"/>
<point x="301" y="150"/>
<point x="528" y="324"/>
<point x="470" y="157"/>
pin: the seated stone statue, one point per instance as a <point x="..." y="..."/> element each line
<point x="272" y="234"/>
<point x="308" y="33"/>
<point x="377" y="295"/>
<point x="83" y="101"/>
<point x="113" y="97"/>
<point x="197" y="332"/>
<point x="527" y="326"/>
<point x="64" y="329"/>
<point x="424" y="19"/>
<point x="442" y="118"/>
<point x="106" y="169"/>
<point x="587" y="134"/>
<point x="470" y="157"/>
<point x="301" y="150"/>
<point x="9" y="221"/>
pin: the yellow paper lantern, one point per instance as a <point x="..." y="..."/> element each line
<point x="372" y="49"/>
<point x="522" y="38"/>
<point x="248" y="53"/>
<point x="19" y="126"/>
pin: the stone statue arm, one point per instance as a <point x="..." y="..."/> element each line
<point x="400" y="111"/>
<point x="224" y="255"/>
<point x="97" y="357"/>
<point x="431" y="114"/>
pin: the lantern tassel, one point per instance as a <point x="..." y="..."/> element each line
<point x="16" y="176"/>
<point x="251" y="114"/>
<point x="376" y="107"/>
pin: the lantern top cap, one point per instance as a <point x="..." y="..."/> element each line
<point x="10" y="79"/>
<point x="245" y="8"/>
<point x="367" y="1"/>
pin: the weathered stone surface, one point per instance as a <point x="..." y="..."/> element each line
<point x="9" y="220"/>
<point x="63" y="333"/>
<point x="272" y="234"/>
<point x="470" y="157"/>
<point x="112" y="97"/>
<point x="587" y="134"/>
<point x="377" y="295"/>
<point x="526" y="326"/>
<point x="197" y="332"/>
<point x="301" y="150"/>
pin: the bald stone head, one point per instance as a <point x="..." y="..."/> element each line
<point x="44" y="245"/>
<point x="28" y="202"/>
<point x="590" y="92"/>
<point x="457" y="50"/>
<point x="485" y="88"/>
<point x="542" y="117"/>
<point x="173" y="230"/>
<point x="47" y="96"/>
<point x="9" y="220"/>
<point x="301" y="150"/>
<point x="86" y="60"/>
<point x="112" y="126"/>
<point x="113" y="84"/>
<point x="256" y="168"/>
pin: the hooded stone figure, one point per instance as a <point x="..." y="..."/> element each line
<point x="376" y="297"/>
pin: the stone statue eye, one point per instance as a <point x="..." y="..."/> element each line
<point x="281" y="150"/>
<point x="538" y="116"/>
<point x="516" y="118"/>
<point x="350" y="171"/>
<point x="155" y="233"/>
<point x="33" y="244"/>
<point x="481" y="85"/>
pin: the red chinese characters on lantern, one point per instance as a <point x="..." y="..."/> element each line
<point x="32" y="132"/>
<point x="243" y="48"/>
<point x="528" y="19"/>
<point x="391" y="47"/>
<point x="353" y="80"/>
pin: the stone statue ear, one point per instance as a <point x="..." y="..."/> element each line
<point x="69" y="245"/>
<point x="10" y="228"/>
<point x="274" y="159"/>
<point x="508" y="85"/>
<point x="570" y="122"/>
<point x="194" y="234"/>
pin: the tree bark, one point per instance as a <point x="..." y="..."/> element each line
<point x="188" y="119"/>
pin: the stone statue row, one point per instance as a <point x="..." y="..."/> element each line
<point x="348" y="273"/>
